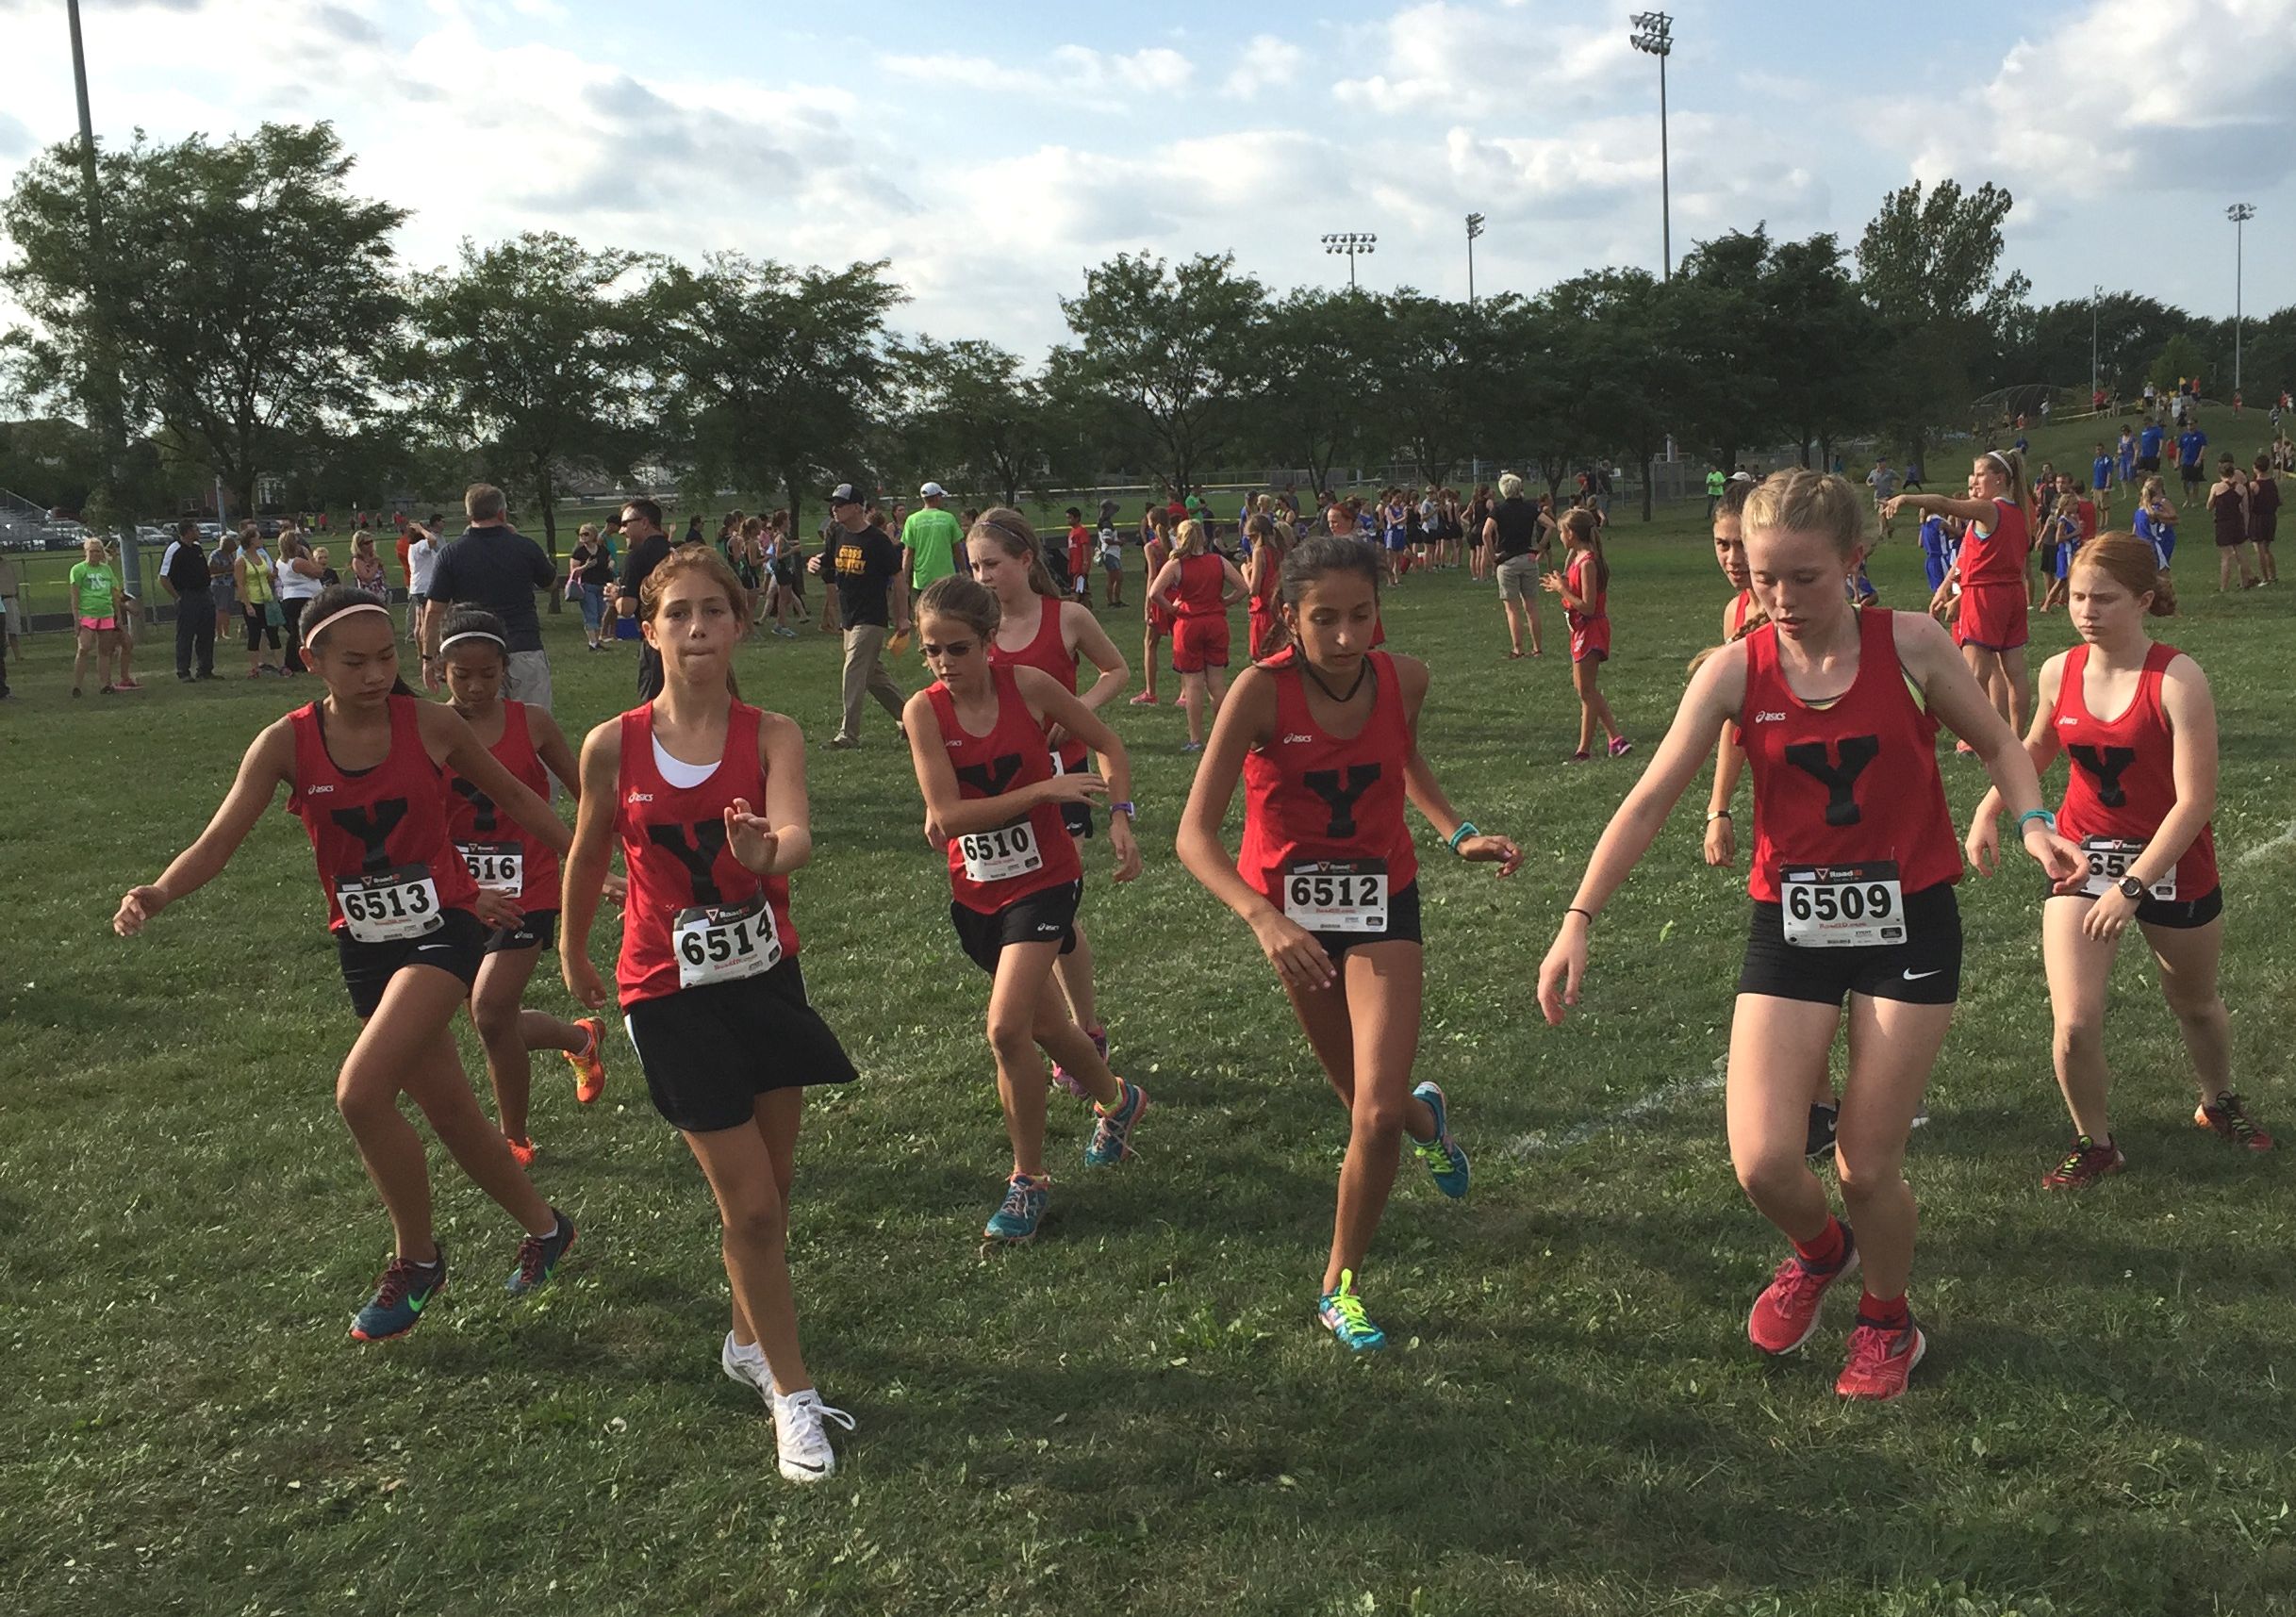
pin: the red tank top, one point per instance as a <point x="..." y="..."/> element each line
<point x="696" y="915"/>
<point x="1741" y="609"/>
<point x="1201" y="578"/>
<point x="491" y="842"/>
<point x="1848" y="783"/>
<point x="1582" y="576"/>
<point x="1263" y="593"/>
<point x="2123" y="783"/>
<point x="1997" y="557"/>
<point x="1047" y="650"/>
<point x="379" y="835"/>
<point x="1309" y="797"/>
<point x="989" y="869"/>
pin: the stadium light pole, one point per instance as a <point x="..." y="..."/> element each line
<point x="1351" y="243"/>
<point x="2094" y="293"/>
<point x="1475" y="229"/>
<point x="2240" y="213"/>
<point x="1654" y="35"/>
<point x="103" y="377"/>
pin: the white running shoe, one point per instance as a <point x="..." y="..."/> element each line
<point x="749" y="1369"/>
<point x="798" y="1421"/>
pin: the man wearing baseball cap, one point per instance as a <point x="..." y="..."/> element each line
<point x="865" y="566"/>
<point x="930" y="540"/>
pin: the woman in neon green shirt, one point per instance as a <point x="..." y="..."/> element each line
<point x="95" y="615"/>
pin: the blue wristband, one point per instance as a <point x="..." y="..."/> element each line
<point x="1466" y="829"/>
<point x="2048" y="820"/>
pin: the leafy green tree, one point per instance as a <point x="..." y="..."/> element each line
<point x="1627" y="363"/>
<point x="248" y="290"/>
<point x="1825" y="346"/>
<point x="1429" y="393"/>
<point x="971" y="417"/>
<point x="2179" y="357"/>
<point x="1313" y="362"/>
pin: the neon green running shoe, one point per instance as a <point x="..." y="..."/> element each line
<point x="1342" y="1312"/>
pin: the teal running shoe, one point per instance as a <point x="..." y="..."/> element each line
<point x="1443" y="1156"/>
<point x="405" y="1291"/>
<point x="1111" y="1135"/>
<point x="1342" y="1312"/>
<point x="538" y="1256"/>
<point x="1015" y="1223"/>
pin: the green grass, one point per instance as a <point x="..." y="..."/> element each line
<point x="1137" y="1413"/>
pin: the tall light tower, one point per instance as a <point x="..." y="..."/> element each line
<point x="2095" y="293"/>
<point x="1654" y="34"/>
<point x="103" y="403"/>
<point x="1475" y="229"/>
<point x="1351" y="243"/>
<point x="2240" y="213"/>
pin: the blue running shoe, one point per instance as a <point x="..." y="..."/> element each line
<point x="1016" y="1222"/>
<point x="399" y="1297"/>
<point x="1342" y="1312"/>
<point x="538" y="1256"/>
<point x="1112" y="1136"/>
<point x="1443" y="1156"/>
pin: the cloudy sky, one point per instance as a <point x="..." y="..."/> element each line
<point x="992" y="152"/>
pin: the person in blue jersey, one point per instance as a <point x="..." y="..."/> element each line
<point x="1937" y="551"/>
<point x="2190" y="445"/>
<point x="2124" y="456"/>
<point x="2154" y="521"/>
<point x="2101" y="482"/>
<point x="2148" y="447"/>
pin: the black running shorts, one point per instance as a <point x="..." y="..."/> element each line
<point x="709" y="1052"/>
<point x="1402" y="926"/>
<point x="1040" y="917"/>
<point x="536" y="929"/>
<point x="368" y="967"/>
<point x="1925" y="969"/>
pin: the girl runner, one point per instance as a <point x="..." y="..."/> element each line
<point x="95" y="615"/>
<point x="2138" y="796"/>
<point x="1325" y="736"/>
<point x="1583" y="586"/>
<point x="362" y="766"/>
<point x="1155" y="550"/>
<point x="1852" y="872"/>
<point x="2264" y="517"/>
<point x="1990" y="572"/>
<point x="706" y="795"/>
<point x="2156" y="521"/>
<point x="2228" y="507"/>
<point x="1271" y="541"/>
<point x="993" y="799"/>
<point x="1199" y="586"/>
<point x="1036" y="628"/>
<point x="526" y="741"/>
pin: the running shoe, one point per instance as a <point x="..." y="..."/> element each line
<point x="1112" y="1134"/>
<point x="522" y="1150"/>
<point x="405" y="1291"/>
<point x="588" y="1064"/>
<point x="1881" y="1358"/>
<point x="538" y="1256"/>
<point x="1578" y="757"/>
<point x="1144" y="700"/>
<point x="1014" y="1222"/>
<point x="1823" y="1121"/>
<point x="2229" y="1119"/>
<point x="1620" y="746"/>
<point x="1068" y="1081"/>
<point x="798" y="1431"/>
<point x="2086" y="1164"/>
<point x="1445" y="1161"/>
<point x="747" y="1368"/>
<point x="1787" y="1310"/>
<point x="1193" y="747"/>
<point x="1342" y="1313"/>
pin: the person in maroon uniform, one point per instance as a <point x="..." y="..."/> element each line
<point x="1036" y="628"/>
<point x="1325" y="737"/>
<point x="362" y="768"/>
<point x="992" y="801"/>
<point x="1199" y="585"/>
<point x="526" y="741"/>
<point x="1990" y="572"/>
<point x="2137" y="798"/>
<point x="706" y="796"/>
<point x="1854" y="866"/>
<point x="2264" y="517"/>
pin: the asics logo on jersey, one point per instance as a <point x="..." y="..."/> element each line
<point x="641" y="797"/>
<point x="372" y="827"/>
<point x="317" y="791"/>
<point x="480" y="803"/>
<point x="696" y="847"/>
<point x="1850" y="755"/>
<point x="992" y="778"/>
<point x="1339" y="796"/>
<point x="2067" y="723"/>
<point x="1769" y="718"/>
<point x="1297" y="740"/>
<point x="2104" y="765"/>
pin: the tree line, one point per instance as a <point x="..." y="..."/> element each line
<point x="245" y="314"/>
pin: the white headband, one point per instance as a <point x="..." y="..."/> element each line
<point x="2001" y="460"/>
<point x="332" y="617"/>
<point x="470" y="635"/>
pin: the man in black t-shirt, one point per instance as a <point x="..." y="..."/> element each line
<point x="865" y="563"/>
<point x="645" y="548"/>
<point x="183" y="574"/>
<point x="497" y="569"/>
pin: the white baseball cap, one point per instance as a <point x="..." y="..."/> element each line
<point x="932" y="492"/>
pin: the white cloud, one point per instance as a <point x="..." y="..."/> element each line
<point x="1267" y="63"/>
<point x="1468" y="61"/>
<point x="1070" y="73"/>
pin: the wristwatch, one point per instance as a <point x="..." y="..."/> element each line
<point x="1124" y="809"/>
<point x="2131" y="887"/>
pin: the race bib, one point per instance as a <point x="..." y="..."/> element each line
<point x="721" y="942"/>
<point x="1842" y="906"/>
<point x="391" y="905"/>
<point x="1002" y="854"/>
<point x="1337" y="896"/>
<point x="2109" y="859"/>
<point x="496" y="866"/>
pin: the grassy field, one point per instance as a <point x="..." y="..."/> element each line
<point x="1137" y="1413"/>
